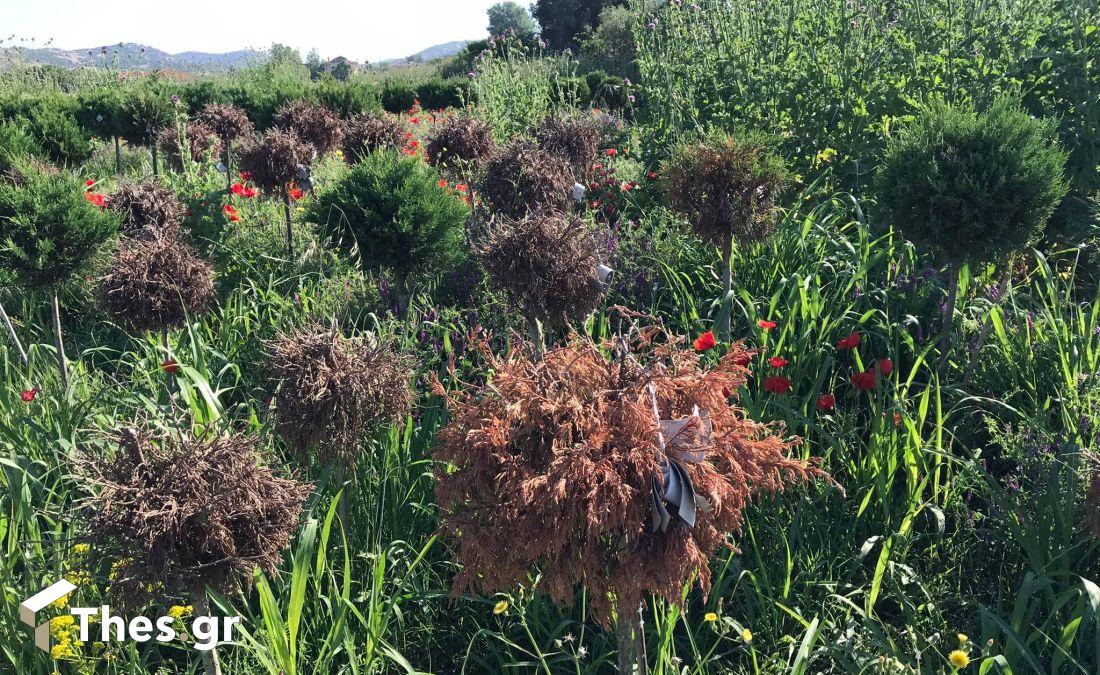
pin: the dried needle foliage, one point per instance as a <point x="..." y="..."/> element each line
<point x="147" y="209"/>
<point x="200" y="139"/>
<point x="576" y="138"/>
<point x="334" y="388"/>
<point x="462" y="139"/>
<point x="549" y="466"/>
<point x="177" y="511"/>
<point x="273" y="159"/>
<point x="727" y="187"/>
<point x="367" y="132"/>
<point x="546" y="263"/>
<point x="228" y="122"/>
<point x="155" y="284"/>
<point x="314" y="124"/>
<point x="523" y="177"/>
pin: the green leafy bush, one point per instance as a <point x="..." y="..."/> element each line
<point x="349" y="98"/>
<point x="438" y="93"/>
<point x="971" y="187"/>
<point x="99" y="111"/>
<point x="398" y="95"/>
<point x="50" y="118"/>
<point x="145" y="111"/>
<point x="14" y="144"/>
<point x="392" y="212"/>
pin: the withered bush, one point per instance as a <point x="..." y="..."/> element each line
<point x="546" y="263"/>
<point x="314" y="124"/>
<point x="178" y="512"/>
<point x="522" y="177"/>
<point x="367" y="132"/>
<point x="155" y="284"/>
<point x="228" y="122"/>
<point x="147" y="209"/>
<point x="462" y="139"/>
<point x="200" y="139"/>
<point x="335" y="388"/>
<point x="273" y="159"/>
<point x="727" y="187"/>
<point x="554" y="463"/>
<point x="576" y="138"/>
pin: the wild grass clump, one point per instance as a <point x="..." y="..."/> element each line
<point x="334" y="389"/>
<point x="367" y="133"/>
<point x="463" y="141"/>
<point x="547" y="263"/>
<point x="522" y="177"/>
<point x="180" y="512"/>
<point x="146" y="209"/>
<point x="314" y="124"/>
<point x="156" y="284"/>
<point x="556" y="465"/>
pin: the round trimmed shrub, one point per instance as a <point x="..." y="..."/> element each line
<point x="147" y="209"/>
<point x="201" y="141"/>
<point x="273" y="159"/>
<point x="144" y="113"/>
<point x="523" y="177"/>
<point x="971" y="187"/>
<point x="228" y="122"/>
<point x="392" y="211"/>
<point x="314" y="124"/>
<point x="462" y="140"/>
<point x="576" y="138"/>
<point x="368" y="132"/>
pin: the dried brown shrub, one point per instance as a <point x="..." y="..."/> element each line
<point x="462" y="139"/>
<point x="228" y="122"/>
<point x="727" y="187"/>
<point x="522" y="177"/>
<point x="155" y="284"/>
<point x="367" y="132"/>
<point x="314" y="124"/>
<point x="552" y="465"/>
<point x="147" y="209"/>
<point x="177" y="511"/>
<point x="201" y="141"/>
<point x="546" y="263"/>
<point x="273" y="159"/>
<point x="334" y="388"/>
<point x="577" y="138"/>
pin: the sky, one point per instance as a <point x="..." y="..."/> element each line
<point x="363" y="31"/>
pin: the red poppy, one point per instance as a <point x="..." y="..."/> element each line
<point x="611" y="152"/>
<point x="246" y="175"/>
<point x="29" y="395"/>
<point x="777" y="384"/>
<point x="249" y="193"/>
<point x="236" y="188"/>
<point x="778" y="361"/>
<point x="885" y="366"/>
<point x="231" y="213"/>
<point x="443" y="182"/>
<point x="295" y="193"/>
<point x="864" y="381"/>
<point x="850" y="342"/>
<point x="704" y="342"/>
<point x="461" y="187"/>
<point x="826" y="402"/>
<point x="743" y="358"/>
<point x="170" y="366"/>
<point x="766" y="325"/>
<point x="414" y="120"/>
<point x="652" y="175"/>
<point x="90" y="182"/>
<point x="96" y="198"/>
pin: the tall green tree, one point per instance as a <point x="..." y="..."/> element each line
<point x="562" y="21"/>
<point x="505" y="17"/>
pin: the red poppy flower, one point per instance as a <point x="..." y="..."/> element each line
<point x="652" y="175"/>
<point x="249" y="193"/>
<point x="864" y="381"/>
<point x="96" y="198"/>
<point x="442" y="182"/>
<point x="295" y="193"/>
<point x="885" y="366"/>
<point x="246" y="175"/>
<point x="743" y="359"/>
<point x="231" y="213"/>
<point x="414" y="120"/>
<point x="611" y="152"/>
<point x="461" y="187"/>
<point x="90" y="182"/>
<point x="766" y="325"/>
<point x="826" y="402"/>
<point x="704" y="342"/>
<point x="777" y="384"/>
<point x="29" y="395"/>
<point x="237" y="188"/>
<point x="850" y="342"/>
<point x="170" y="366"/>
<point x="778" y="361"/>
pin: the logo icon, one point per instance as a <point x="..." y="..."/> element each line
<point x="39" y="601"/>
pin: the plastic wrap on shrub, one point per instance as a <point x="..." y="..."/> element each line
<point x="367" y="133"/>
<point x="314" y="124"/>
<point x="147" y="209"/>
<point x="522" y="177"/>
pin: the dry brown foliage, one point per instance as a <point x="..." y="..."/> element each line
<point x="546" y="263"/>
<point x="550" y="466"/>
<point x="462" y="139"/>
<point x="576" y="138"/>
<point x="273" y="159"/>
<point x="314" y="124"/>
<point x="155" y="284"/>
<point x="522" y="177"/>
<point x="368" y="132"/>
<point x="148" y="209"/>
<point x="201" y="141"/>
<point x="728" y="188"/>
<point x="178" y="510"/>
<point x="228" y="122"/>
<point x="335" y="388"/>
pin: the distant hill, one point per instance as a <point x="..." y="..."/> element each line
<point x="434" y="52"/>
<point x="130" y="56"/>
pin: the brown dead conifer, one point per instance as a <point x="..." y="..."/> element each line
<point x="147" y="209"/>
<point x="314" y="124"/>
<point x="522" y="177"/>
<point x="367" y="133"/>
<point x="461" y="140"/>
<point x="200" y="139"/>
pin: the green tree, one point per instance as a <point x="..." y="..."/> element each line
<point x="563" y="20"/>
<point x="505" y="17"/>
<point x="314" y="64"/>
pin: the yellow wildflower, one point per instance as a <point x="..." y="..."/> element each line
<point x="746" y="635"/>
<point x="501" y="607"/>
<point x="81" y="549"/>
<point x="959" y="659"/>
<point x="710" y="617"/>
<point x="177" y="611"/>
<point x="963" y="639"/>
<point x="61" y="603"/>
<point x="61" y="651"/>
